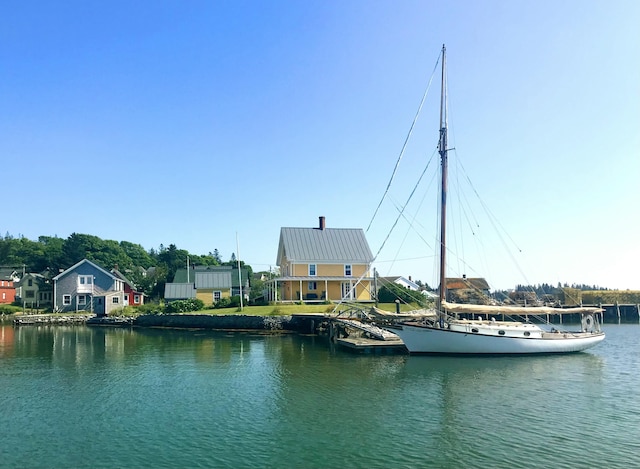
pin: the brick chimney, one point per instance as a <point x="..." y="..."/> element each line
<point x="322" y="223"/>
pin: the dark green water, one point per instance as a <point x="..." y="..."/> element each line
<point x="97" y="397"/>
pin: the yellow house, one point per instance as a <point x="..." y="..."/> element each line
<point x="207" y="283"/>
<point x="322" y="264"/>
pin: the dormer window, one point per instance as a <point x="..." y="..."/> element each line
<point x="85" y="279"/>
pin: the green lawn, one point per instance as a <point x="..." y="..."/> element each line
<point x="285" y="310"/>
<point x="268" y="310"/>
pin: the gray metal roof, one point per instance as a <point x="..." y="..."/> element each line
<point x="84" y="261"/>
<point x="179" y="291"/>
<point x="330" y="245"/>
<point x="212" y="279"/>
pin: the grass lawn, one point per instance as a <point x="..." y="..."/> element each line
<point x="267" y="310"/>
<point x="285" y="310"/>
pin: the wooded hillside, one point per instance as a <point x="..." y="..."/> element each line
<point x="53" y="254"/>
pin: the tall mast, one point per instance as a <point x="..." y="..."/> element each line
<point x="442" y="149"/>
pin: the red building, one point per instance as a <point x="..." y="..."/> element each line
<point x="132" y="296"/>
<point x="7" y="289"/>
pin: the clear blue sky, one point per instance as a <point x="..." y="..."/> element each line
<point x="187" y="122"/>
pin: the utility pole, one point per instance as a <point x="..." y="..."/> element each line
<point x="239" y="270"/>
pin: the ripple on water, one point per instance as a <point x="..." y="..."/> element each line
<point x="182" y="399"/>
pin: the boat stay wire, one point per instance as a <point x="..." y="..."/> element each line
<point x="406" y="141"/>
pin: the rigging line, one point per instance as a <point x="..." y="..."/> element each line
<point x="413" y="221"/>
<point x="412" y="224"/>
<point x="488" y="211"/>
<point x="406" y="259"/>
<point x="500" y="230"/>
<point x="406" y="141"/>
<point x="401" y="214"/>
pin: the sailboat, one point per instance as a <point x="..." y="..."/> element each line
<point x="474" y="329"/>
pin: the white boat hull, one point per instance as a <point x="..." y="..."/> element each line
<point x="427" y="339"/>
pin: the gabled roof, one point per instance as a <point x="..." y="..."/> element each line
<point x="7" y="273"/>
<point x="329" y="245"/>
<point x="212" y="276"/>
<point x="121" y="276"/>
<point x="84" y="261"/>
<point x="179" y="291"/>
<point x="401" y="281"/>
<point x="467" y="284"/>
<point x="213" y="279"/>
<point x="39" y="278"/>
<point x="181" y="274"/>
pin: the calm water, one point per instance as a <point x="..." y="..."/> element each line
<point x="94" y="397"/>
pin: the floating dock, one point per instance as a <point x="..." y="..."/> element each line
<point x="364" y="337"/>
<point x="372" y="346"/>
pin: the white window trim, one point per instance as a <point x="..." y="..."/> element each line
<point x="66" y="300"/>
<point x="115" y="300"/>
<point x="315" y="270"/>
<point x="136" y="299"/>
<point x="348" y="267"/>
<point x="219" y="294"/>
<point x="85" y="279"/>
<point x="82" y="300"/>
<point x="312" y="286"/>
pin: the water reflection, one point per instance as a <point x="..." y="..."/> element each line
<point x="204" y="398"/>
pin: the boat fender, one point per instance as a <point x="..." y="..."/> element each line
<point x="587" y="322"/>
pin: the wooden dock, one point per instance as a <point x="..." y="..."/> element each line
<point x="372" y="346"/>
<point x="361" y="337"/>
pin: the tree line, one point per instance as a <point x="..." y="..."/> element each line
<point x="149" y="269"/>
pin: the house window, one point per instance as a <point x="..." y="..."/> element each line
<point x="136" y="299"/>
<point x="313" y="285"/>
<point x="82" y="300"/>
<point x="4" y="296"/>
<point x="66" y="300"/>
<point x="85" y="279"/>
<point x="216" y="296"/>
<point x="29" y="294"/>
<point x="347" y="270"/>
<point x="126" y="298"/>
<point x="115" y="300"/>
<point x="30" y="282"/>
<point x="312" y="270"/>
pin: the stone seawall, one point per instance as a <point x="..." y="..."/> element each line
<point x="237" y="322"/>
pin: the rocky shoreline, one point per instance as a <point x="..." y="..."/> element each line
<point x="302" y="323"/>
<point x="230" y="322"/>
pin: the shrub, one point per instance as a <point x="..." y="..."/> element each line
<point x="184" y="306"/>
<point x="389" y="293"/>
<point x="149" y="308"/>
<point x="9" y="309"/>
<point x="233" y="302"/>
<point x="127" y="311"/>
